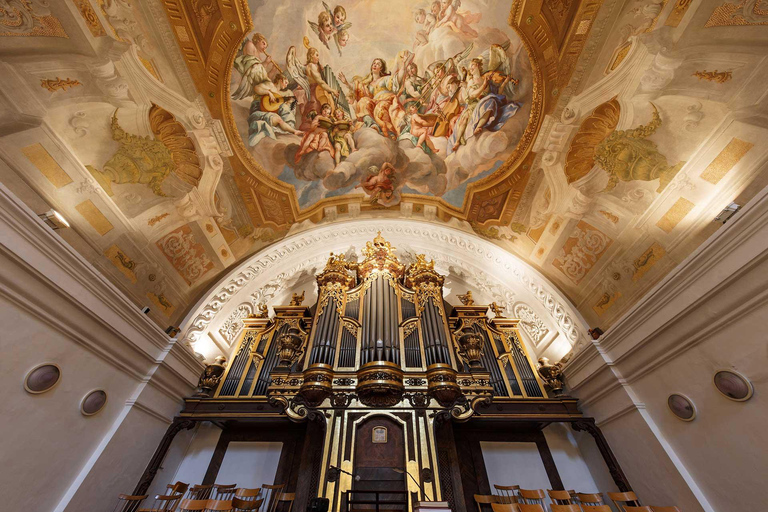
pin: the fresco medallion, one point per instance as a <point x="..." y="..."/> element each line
<point x="381" y="98"/>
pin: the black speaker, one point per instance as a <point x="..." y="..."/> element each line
<point x="318" y="505"/>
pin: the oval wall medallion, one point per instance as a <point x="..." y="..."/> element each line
<point x="42" y="378"/>
<point x="733" y="385"/>
<point x="93" y="402"/>
<point x="681" y="406"/>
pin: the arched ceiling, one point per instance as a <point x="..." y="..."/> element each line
<point x="551" y="325"/>
<point x="638" y="122"/>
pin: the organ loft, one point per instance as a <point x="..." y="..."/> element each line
<point x="382" y="390"/>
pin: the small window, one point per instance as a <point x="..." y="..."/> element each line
<point x="379" y="434"/>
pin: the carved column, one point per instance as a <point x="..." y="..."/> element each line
<point x="174" y="428"/>
<point x="588" y="425"/>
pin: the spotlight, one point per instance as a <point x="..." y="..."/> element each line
<point x="54" y="219"/>
<point x="145" y="310"/>
<point x="172" y="331"/>
<point x="727" y="212"/>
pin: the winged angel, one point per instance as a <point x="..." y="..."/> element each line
<point x="488" y="87"/>
<point x="332" y="24"/>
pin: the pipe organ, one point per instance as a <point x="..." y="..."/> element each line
<point x="381" y="340"/>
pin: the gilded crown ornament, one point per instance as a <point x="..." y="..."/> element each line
<point x="422" y="271"/>
<point x="379" y="256"/>
<point x="337" y="270"/>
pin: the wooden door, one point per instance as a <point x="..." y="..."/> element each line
<point x="380" y="447"/>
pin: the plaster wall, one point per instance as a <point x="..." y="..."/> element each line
<point x="708" y="315"/>
<point x="250" y="464"/>
<point x="55" y="307"/>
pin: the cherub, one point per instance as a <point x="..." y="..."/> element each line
<point x="450" y="17"/>
<point x="419" y="127"/>
<point x="316" y="138"/>
<point x="380" y="183"/>
<point x="341" y="136"/>
<point x="324" y="27"/>
<point x="422" y="35"/>
<point x="434" y="15"/>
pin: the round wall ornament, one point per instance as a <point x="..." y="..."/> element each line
<point x="42" y="378"/>
<point x="93" y="402"/>
<point x="681" y="406"/>
<point x="733" y="385"/>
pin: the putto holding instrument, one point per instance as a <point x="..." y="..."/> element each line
<point x="333" y="122"/>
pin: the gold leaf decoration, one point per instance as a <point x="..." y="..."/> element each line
<point x="55" y="84"/>
<point x="173" y="135"/>
<point x="714" y="76"/>
<point x="593" y="130"/>
<point x="628" y="155"/>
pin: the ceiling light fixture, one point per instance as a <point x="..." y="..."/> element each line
<point x="727" y="212"/>
<point x="54" y="219"/>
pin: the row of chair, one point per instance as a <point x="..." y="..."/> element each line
<point x="180" y="497"/>
<point x="511" y="498"/>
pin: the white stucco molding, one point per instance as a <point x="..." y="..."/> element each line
<point x="302" y="251"/>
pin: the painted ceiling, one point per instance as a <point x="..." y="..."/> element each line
<point x="420" y="99"/>
<point x="602" y="139"/>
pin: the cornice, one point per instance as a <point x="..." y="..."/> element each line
<point x="49" y="249"/>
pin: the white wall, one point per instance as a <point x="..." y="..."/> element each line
<point x="250" y="464"/>
<point x="514" y="464"/>
<point x="198" y="456"/>
<point x="706" y="315"/>
<point x="55" y="307"/>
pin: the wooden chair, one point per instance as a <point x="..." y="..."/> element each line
<point x="565" y="508"/>
<point x="486" y="499"/>
<point x="505" y="507"/>
<point x="586" y="498"/>
<point x="128" y="502"/>
<point x="269" y="494"/>
<point x="596" y="508"/>
<point x="560" y="497"/>
<point x="246" y="505"/>
<point x="248" y="494"/>
<point x="532" y="496"/>
<point x="164" y="503"/>
<point x="199" y="492"/>
<point x="506" y="493"/>
<point x="531" y="507"/>
<point x="622" y="499"/>
<point x="218" y="506"/>
<point x="188" y="505"/>
<point x="283" y="497"/>
<point x="177" y="488"/>
<point x="224" y="492"/>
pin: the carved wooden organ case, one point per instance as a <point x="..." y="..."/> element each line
<point x="380" y="341"/>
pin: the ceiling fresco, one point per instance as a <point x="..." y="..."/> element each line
<point x="595" y="140"/>
<point x="381" y="98"/>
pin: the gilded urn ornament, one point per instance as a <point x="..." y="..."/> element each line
<point x="470" y="346"/>
<point x="210" y="378"/>
<point x="289" y="347"/>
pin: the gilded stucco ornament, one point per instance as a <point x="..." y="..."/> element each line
<point x="628" y="155"/>
<point x="210" y="378"/>
<point x="552" y="375"/>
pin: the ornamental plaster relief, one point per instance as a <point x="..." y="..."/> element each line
<point x="495" y="271"/>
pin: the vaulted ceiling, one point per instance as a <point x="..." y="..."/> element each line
<point x="163" y="133"/>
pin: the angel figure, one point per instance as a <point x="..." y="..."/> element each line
<point x="297" y="299"/>
<point x="380" y="183"/>
<point x="467" y="299"/>
<point x="427" y="21"/>
<point x="318" y="82"/>
<point x="341" y="136"/>
<point x="340" y="25"/>
<point x="316" y="137"/>
<point x="323" y="28"/>
<point x="455" y="20"/>
<point x="487" y="106"/>
<point x="418" y="127"/>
